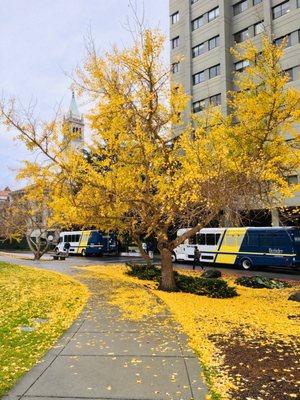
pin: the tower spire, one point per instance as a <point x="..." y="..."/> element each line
<point x="73" y="110"/>
<point x="75" y="123"/>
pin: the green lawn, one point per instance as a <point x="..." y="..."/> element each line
<point x="43" y="302"/>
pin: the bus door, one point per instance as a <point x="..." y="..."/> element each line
<point x="296" y="246"/>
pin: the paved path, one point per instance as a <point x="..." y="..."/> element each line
<point x="67" y="266"/>
<point x="103" y="356"/>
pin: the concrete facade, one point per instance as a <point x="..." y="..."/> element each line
<point x="196" y="23"/>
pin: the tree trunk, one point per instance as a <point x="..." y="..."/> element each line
<point x="33" y="247"/>
<point x="45" y="249"/>
<point x="144" y="255"/>
<point x="167" y="282"/>
<point x="37" y="255"/>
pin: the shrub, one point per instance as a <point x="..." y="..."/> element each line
<point x="210" y="287"/>
<point x="259" y="282"/>
<point x="295" y="296"/>
<point x="212" y="273"/>
<point x="144" y="272"/>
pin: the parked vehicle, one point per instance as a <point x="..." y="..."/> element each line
<point x="247" y="247"/>
<point x="88" y="243"/>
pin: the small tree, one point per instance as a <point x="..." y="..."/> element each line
<point x="26" y="216"/>
<point x="144" y="180"/>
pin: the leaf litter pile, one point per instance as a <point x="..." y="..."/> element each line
<point x="262" y="370"/>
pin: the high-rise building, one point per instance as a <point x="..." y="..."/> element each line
<point x="202" y="33"/>
<point x="75" y="122"/>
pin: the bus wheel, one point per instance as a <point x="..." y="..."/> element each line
<point x="246" y="264"/>
<point x="83" y="253"/>
<point x="174" y="258"/>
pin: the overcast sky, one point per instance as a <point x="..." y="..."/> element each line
<point x="40" y="40"/>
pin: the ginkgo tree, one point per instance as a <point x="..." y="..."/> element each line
<point x="140" y="178"/>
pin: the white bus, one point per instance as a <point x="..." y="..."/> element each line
<point x="207" y="241"/>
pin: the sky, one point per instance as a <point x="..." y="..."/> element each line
<point x="42" y="41"/>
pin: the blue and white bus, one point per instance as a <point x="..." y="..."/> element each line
<point x="243" y="247"/>
<point x="88" y="243"/>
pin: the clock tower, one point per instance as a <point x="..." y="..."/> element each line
<point x="75" y="123"/>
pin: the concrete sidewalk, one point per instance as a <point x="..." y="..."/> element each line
<point x="103" y="356"/>
<point x="24" y="255"/>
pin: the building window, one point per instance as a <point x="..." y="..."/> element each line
<point x="215" y="100"/>
<point x="255" y="2"/>
<point x="279" y="40"/>
<point x="241" y="65"/>
<point x="193" y="1"/>
<point x="175" y="42"/>
<point x="214" y="71"/>
<point x="258" y="28"/>
<point x="213" y="42"/>
<point x="175" y="17"/>
<point x="198" y="106"/>
<point x="240" y="7"/>
<point x="281" y="9"/>
<point x="198" y="78"/>
<point x="290" y="74"/>
<point x="198" y="50"/>
<point x="241" y="36"/>
<point x="213" y="14"/>
<point x="175" y="67"/>
<point x="196" y="23"/>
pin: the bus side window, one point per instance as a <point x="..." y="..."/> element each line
<point x="210" y="239"/>
<point x="280" y="240"/>
<point x="266" y="240"/>
<point x="201" y="239"/>
<point x="252" y="239"/>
